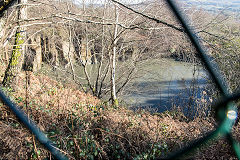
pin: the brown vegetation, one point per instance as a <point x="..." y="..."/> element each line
<point x="83" y="128"/>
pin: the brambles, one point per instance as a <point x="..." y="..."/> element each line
<point x="85" y="128"/>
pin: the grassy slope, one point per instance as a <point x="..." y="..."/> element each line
<point x="84" y="128"/>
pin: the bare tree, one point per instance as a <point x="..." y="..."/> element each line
<point x="113" y="60"/>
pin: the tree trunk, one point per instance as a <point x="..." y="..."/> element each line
<point x="99" y="79"/>
<point x="70" y="50"/>
<point x="113" y="95"/>
<point x="19" y="49"/>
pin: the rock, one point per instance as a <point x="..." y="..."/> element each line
<point x="68" y="53"/>
<point x="33" y="57"/>
<point x="85" y="54"/>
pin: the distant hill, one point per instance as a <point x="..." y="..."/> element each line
<point x="228" y="7"/>
<point x="215" y="6"/>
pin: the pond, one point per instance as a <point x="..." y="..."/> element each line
<point x="159" y="85"/>
<point x="167" y="84"/>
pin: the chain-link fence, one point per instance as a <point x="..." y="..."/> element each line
<point x="225" y="109"/>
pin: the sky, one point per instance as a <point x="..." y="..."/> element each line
<point x="136" y="1"/>
<point x="206" y="3"/>
<point x="102" y="1"/>
<point x="139" y="1"/>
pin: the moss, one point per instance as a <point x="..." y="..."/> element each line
<point x="17" y="50"/>
<point x="116" y="102"/>
<point x="10" y="73"/>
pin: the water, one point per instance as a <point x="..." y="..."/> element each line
<point x="161" y="85"/>
<point x="165" y="84"/>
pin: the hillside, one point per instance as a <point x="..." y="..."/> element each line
<point x="67" y="66"/>
<point x="229" y="7"/>
<point x="84" y="128"/>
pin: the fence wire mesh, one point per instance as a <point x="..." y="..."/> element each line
<point x="225" y="108"/>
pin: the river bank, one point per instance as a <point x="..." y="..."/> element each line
<point x="158" y="84"/>
<point x="84" y="128"/>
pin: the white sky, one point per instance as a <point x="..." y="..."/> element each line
<point x="102" y="1"/>
<point x="138" y="1"/>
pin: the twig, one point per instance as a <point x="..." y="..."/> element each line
<point x="151" y="18"/>
<point x="114" y="134"/>
<point x="35" y="147"/>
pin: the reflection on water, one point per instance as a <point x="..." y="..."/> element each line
<point x="161" y="84"/>
<point x="167" y="83"/>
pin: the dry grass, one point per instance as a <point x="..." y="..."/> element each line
<point x="84" y="128"/>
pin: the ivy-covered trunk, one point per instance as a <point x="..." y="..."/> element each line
<point x="18" y="52"/>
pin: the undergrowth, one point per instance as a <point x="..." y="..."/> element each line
<point x="84" y="128"/>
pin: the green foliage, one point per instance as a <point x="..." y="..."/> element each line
<point x="34" y="154"/>
<point x="52" y="91"/>
<point x="89" y="149"/>
<point x="19" y="99"/>
<point x="159" y="149"/>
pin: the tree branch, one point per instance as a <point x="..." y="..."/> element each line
<point x="148" y="17"/>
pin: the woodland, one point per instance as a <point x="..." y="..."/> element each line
<point x="67" y="63"/>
